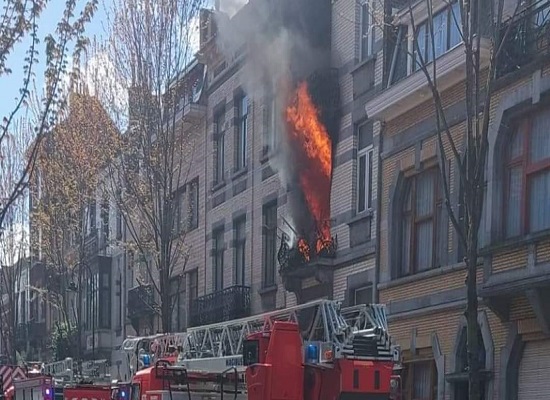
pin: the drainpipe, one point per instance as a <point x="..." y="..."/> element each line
<point x="253" y="184"/>
<point x="378" y="211"/>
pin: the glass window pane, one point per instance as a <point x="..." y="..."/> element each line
<point x="406" y="248"/>
<point x="539" y="202"/>
<point x="364" y="31"/>
<point x="421" y="41"/>
<point x="455" y="27"/>
<point x="513" y="214"/>
<point x="440" y="33"/>
<point x="516" y="145"/>
<point x="361" y="176"/>
<point x="422" y="382"/>
<point x="424" y="245"/>
<point x="540" y="138"/>
<point x="424" y="201"/>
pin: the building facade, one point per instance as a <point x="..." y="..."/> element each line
<point x="421" y="272"/>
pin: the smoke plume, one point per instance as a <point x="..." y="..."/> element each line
<point x="279" y="56"/>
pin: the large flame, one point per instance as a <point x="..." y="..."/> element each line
<point x="313" y="151"/>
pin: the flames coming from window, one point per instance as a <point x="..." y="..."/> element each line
<point x="312" y="149"/>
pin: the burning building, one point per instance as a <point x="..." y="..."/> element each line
<point x="287" y="46"/>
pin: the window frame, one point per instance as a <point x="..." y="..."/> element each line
<point x="270" y="122"/>
<point x="218" y="249"/>
<point x="446" y="8"/>
<point x="241" y="142"/>
<point x="365" y="8"/>
<point x="193" y="204"/>
<point x="362" y="288"/>
<point x="367" y="152"/>
<point x="239" y="248"/>
<point x="181" y="220"/>
<point x="193" y="294"/>
<point x="410" y="381"/>
<point x="523" y="127"/>
<point x="219" y="147"/>
<point x="104" y="289"/>
<point x="269" y="238"/>
<point x="437" y="204"/>
<point x="177" y="298"/>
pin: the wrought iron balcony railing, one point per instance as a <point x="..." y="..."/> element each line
<point x="528" y="38"/>
<point x="141" y="301"/>
<point x="224" y="305"/>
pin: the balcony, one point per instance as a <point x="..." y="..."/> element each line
<point x="413" y="90"/>
<point x="527" y="40"/>
<point x="230" y="303"/>
<point x="141" y="301"/>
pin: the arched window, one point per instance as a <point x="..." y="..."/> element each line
<point x="527" y="177"/>
<point x="422" y="224"/>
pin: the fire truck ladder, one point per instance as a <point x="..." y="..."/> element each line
<point x="320" y="320"/>
<point x="158" y="346"/>
<point x="63" y="369"/>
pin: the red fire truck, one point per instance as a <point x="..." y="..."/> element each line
<point x="311" y="351"/>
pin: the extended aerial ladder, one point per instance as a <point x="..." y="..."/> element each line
<point x="216" y="347"/>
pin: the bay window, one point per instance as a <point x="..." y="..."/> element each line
<point x="527" y="178"/>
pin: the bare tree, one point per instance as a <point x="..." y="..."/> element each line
<point x="19" y="24"/>
<point x="14" y="244"/>
<point x="69" y="164"/>
<point x="481" y="30"/>
<point x="150" y="46"/>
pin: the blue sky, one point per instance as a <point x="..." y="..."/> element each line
<point x="11" y="84"/>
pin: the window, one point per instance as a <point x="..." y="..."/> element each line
<point x="527" y="180"/>
<point x="177" y="302"/>
<point x="105" y="209"/>
<point x="420" y="380"/>
<point x="239" y="230"/>
<point x="193" y="207"/>
<point x="186" y="207"/>
<point x="366" y="31"/>
<point x="217" y="264"/>
<point x="364" y="169"/>
<point x="362" y="295"/>
<point x="91" y="217"/>
<point x="446" y="26"/>
<point x="219" y="144"/>
<point x="180" y="211"/>
<point x="242" y="132"/>
<point x="104" y="300"/>
<point x="118" y="225"/>
<point x="193" y="285"/>
<point x="269" y="243"/>
<point x="270" y="122"/>
<point x="420" y="218"/>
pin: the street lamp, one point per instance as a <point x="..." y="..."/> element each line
<point x="73" y="287"/>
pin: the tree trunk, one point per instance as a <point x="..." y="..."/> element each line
<point x="474" y="392"/>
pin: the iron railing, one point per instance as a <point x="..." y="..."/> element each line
<point x="141" y="301"/>
<point x="528" y="38"/>
<point x="224" y="305"/>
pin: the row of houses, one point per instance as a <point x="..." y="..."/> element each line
<point x="391" y="238"/>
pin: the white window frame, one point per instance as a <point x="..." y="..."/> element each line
<point x="370" y="36"/>
<point x="359" y="289"/>
<point x="368" y="152"/>
<point x="243" y="132"/>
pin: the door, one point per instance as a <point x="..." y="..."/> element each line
<point x="534" y="370"/>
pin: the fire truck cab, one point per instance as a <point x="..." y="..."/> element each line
<point x="34" y="388"/>
<point x="280" y="367"/>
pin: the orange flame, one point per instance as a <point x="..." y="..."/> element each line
<point x="303" y="247"/>
<point x="313" y="150"/>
